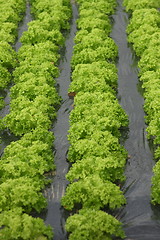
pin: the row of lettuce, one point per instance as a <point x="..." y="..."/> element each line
<point x="11" y="15"/>
<point x="144" y="33"/>
<point x="32" y="110"/>
<point x="96" y="156"/>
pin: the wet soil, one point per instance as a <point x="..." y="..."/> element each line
<point x="56" y="215"/>
<point x="141" y="220"/>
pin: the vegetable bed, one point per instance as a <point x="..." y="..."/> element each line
<point x="144" y="33"/>
<point x="32" y="111"/>
<point x="11" y="14"/>
<point x="97" y="158"/>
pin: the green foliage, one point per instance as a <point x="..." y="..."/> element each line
<point x="94" y="127"/>
<point x="61" y="9"/>
<point x="155" y="40"/>
<point x="44" y="52"/>
<point x="155" y="184"/>
<point x="93" y="48"/>
<point x="32" y="144"/>
<point x="106" y="7"/>
<point x="132" y="5"/>
<point x="37" y="33"/>
<point x="110" y="168"/>
<point x="12" y="11"/>
<point x="33" y="166"/>
<point x="154" y="126"/>
<point x="26" y="115"/>
<point x="150" y="59"/>
<point x="7" y="56"/>
<point x="148" y="76"/>
<point x="45" y="69"/>
<point x="95" y="106"/>
<point x="99" y="70"/>
<point x="90" y="55"/>
<point x="96" y="33"/>
<point x="5" y="77"/>
<point x="21" y="192"/>
<point x="88" y="98"/>
<point x="143" y="28"/>
<point x="91" y="224"/>
<point x="145" y="35"/>
<point x="94" y="193"/>
<point x="25" y="162"/>
<point x="28" y="157"/>
<point x="141" y="37"/>
<point x="97" y="121"/>
<point x="57" y="20"/>
<point x="2" y="103"/>
<point x="89" y="23"/>
<point x="9" y="15"/>
<point x="143" y="16"/>
<point x="18" y="6"/>
<point x="152" y="107"/>
<point x="33" y="88"/>
<point x="8" y="32"/>
<point x="15" y="225"/>
<point x="93" y="41"/>
<point x="100" y="3"/>
<point x="85" y="13"/>
<point x="99" y="144"/>
<point x="157" y="152"/>
<point x="39" y="134"/>
<point x="89" y="85"/>
<point x="32" y="108"/>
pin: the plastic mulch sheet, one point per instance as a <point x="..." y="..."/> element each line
<point x="141" y="220"/>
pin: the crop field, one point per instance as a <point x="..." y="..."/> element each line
<point x="80" y="119"/>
